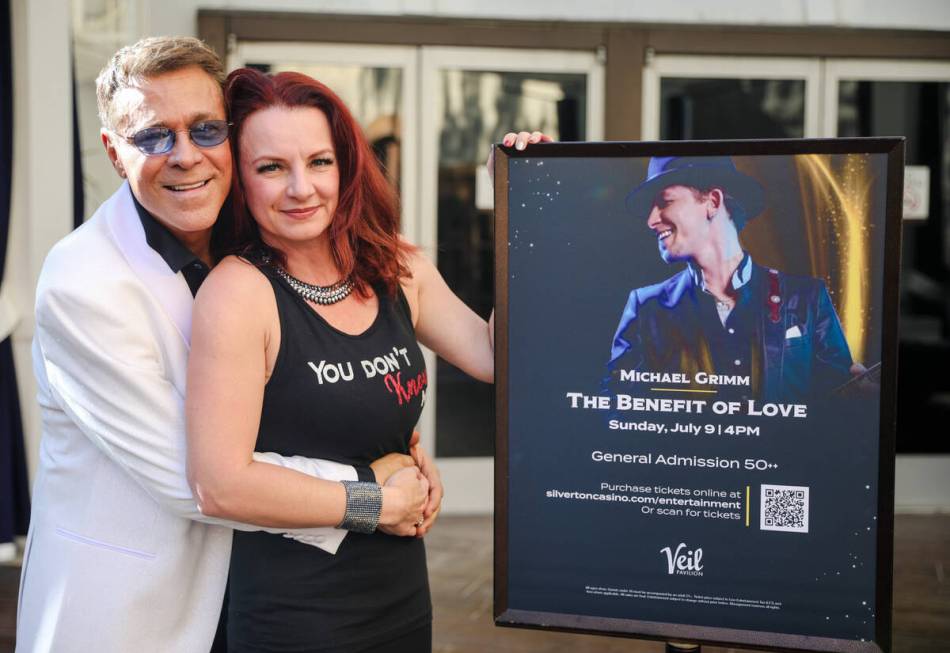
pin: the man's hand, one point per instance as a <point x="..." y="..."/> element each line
<point x="389" y="464"/>
<point x="431" y="473"/>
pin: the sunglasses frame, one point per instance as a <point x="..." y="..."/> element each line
<point x="174" y="136"/>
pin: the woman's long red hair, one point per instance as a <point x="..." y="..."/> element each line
<point x="364" y="230"/>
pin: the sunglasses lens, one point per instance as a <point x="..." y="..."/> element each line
<point x="154" y="140"/>
<point x="209" y="133"/>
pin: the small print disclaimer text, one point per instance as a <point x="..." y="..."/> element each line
<point x="683" y="597"/>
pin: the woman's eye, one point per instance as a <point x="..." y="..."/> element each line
<point x="322" y="161"/>
<point x="268" y="167"/>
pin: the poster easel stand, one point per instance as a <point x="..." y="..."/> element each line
<point x="681" y="647"/>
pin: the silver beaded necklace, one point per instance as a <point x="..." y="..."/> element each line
<point x="317" y="294"/>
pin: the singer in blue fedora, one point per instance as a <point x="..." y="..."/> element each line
<point x="774" y="336"/>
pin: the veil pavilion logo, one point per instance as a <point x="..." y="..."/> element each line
<point x="683" y="561"/>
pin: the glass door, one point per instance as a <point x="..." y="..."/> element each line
<point x="697" y="98"/>
<point x="911" y="99"/>
<point x="469" y="98"/>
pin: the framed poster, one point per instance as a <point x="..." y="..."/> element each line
<point x="696" y="352"/>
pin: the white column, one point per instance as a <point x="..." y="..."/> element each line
<point x="42" y="203"/>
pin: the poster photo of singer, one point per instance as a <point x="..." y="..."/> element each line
<point x="724" y="314"/>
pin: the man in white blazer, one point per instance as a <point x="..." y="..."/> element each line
<point x="119" y="559"/>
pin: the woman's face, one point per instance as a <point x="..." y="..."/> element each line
<point x="290" y="175"/>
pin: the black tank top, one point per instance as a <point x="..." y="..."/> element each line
<point x="350" y="399"/>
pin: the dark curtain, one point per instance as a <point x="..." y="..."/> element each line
<point x="79" y="197"/>
<point x="14" y="494"/>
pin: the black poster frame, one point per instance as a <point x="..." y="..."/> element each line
<point x="504" y="614"/>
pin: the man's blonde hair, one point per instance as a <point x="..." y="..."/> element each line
<point x="149" y="57"/>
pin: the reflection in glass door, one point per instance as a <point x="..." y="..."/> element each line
<point x="696" y="98"/>
<point x="470" y="99"/>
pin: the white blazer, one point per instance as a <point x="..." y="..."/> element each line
<point x="118" y="558"/>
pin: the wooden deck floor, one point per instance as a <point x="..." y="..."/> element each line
<point x="460" y="571"/>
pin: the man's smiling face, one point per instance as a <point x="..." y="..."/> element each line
<point x="185" y="187"/>
<point x="679" y="218"/>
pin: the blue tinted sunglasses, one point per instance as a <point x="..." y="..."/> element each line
<point x="153" y="141"/>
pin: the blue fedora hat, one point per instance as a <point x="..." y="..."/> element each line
<point x="700" y="172"/>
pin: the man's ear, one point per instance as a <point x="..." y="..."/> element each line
<point x="715" y="199"/>
<point x="111" y="152"/>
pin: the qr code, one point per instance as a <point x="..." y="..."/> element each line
<point x="784" y="508"/>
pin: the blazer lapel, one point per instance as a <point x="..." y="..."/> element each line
<point x="169" y="288"/>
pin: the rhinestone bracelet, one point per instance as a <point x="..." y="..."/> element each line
<point x="364" y="503"/>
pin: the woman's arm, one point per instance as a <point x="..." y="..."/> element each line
<point x="234" y="317"/>
<point x="446" y="325"/>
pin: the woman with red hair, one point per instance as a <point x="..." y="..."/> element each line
<point x="304" y="342"/>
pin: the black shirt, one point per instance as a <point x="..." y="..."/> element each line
<point x="178" y="257"/>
